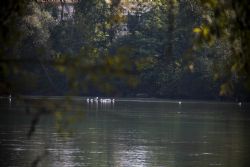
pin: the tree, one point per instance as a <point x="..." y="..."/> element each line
<point x="227" y="21"/>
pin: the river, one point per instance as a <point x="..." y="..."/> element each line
<point x="127" y="133"/>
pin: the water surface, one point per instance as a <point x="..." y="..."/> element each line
<point x="129" y="133"/>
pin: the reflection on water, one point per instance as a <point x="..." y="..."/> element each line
<point x="130" y="133"/>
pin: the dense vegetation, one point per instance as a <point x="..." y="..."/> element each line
<point x="171" y="49"/>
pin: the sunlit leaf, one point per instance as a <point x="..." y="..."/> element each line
<point x="197" y="30"/>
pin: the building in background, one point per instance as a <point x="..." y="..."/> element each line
<point x="65" y="8"/>
<point x="129" y="7"/>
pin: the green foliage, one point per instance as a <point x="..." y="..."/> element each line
<point x="89" y="55"/>
<point x="78" y="49"/>
<point x="9" y="34"/>
<point x="164" y="72"/>
<point x="227" y="21"/>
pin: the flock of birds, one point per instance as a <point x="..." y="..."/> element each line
<point x="108" y="100"/>
<point x="96" y="100"/>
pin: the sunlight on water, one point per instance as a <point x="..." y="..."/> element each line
<point x="137" y="156"/>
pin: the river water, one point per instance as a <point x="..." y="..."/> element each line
<point x="128" y="133"/>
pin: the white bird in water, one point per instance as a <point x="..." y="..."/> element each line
<point x="107" y="100"/>
<point x="10" y="98"/>
<point x="96" y="99"/>
<point x="240" y="104"/>
<point x="179" y="102"/>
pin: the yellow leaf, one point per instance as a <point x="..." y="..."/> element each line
<point x="205" y="31"/>
<point x="197" y="30"/>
